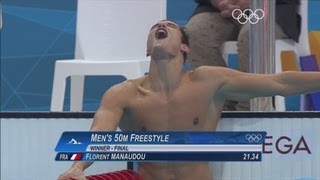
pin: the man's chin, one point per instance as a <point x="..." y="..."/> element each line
<point x="158" y="42"/>
<point x="159" y="53"/>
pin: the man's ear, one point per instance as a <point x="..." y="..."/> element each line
<point x="185" y="48"/>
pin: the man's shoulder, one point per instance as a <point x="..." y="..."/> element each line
<point x="209" y="71"/>
<point x="121" y="93"/>
<point x="127" y="86"/>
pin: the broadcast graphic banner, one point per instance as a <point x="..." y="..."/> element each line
<point x="160" y="146"/>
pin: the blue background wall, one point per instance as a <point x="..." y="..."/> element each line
<point x="36" y="33"/>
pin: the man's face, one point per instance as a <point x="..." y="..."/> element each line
<point x="165" y="35"/>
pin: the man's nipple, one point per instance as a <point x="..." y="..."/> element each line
<point x="195" y="121"/>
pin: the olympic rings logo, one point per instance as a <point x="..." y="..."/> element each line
<point x="248" y="15"/>
<point x="253" y="137"/>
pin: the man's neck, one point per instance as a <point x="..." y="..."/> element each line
<point x="165" y="75"/>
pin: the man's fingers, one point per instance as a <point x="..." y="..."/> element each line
<point x="222" y="5"/>
<point x="225" y="14"/>
<point x="67" y="177"/>
<point x="228" y="12"/>
<point x="71" y="178"/>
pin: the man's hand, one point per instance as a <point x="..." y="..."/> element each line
<point x="243" y="4"/>
<point x="74" y="173"/>
<point x="227" y="6"/>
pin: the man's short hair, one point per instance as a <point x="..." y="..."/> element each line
<point x="185" y="37"/>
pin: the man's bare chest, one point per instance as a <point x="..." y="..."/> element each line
<point x="183" y="110"/>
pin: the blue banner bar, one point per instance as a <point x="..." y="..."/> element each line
<point x="78" y="141"/>
<point x="140" y="156"/>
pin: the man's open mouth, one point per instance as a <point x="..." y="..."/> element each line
<point x="161" y="33"/>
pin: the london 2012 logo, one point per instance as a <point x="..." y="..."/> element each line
<point x="248" y="15"/>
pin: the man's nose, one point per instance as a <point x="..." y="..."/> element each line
<point x="162" y="25"/>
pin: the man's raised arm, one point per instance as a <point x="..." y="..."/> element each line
<point x="107" y="118"/>
<point x="239" y="86"/>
